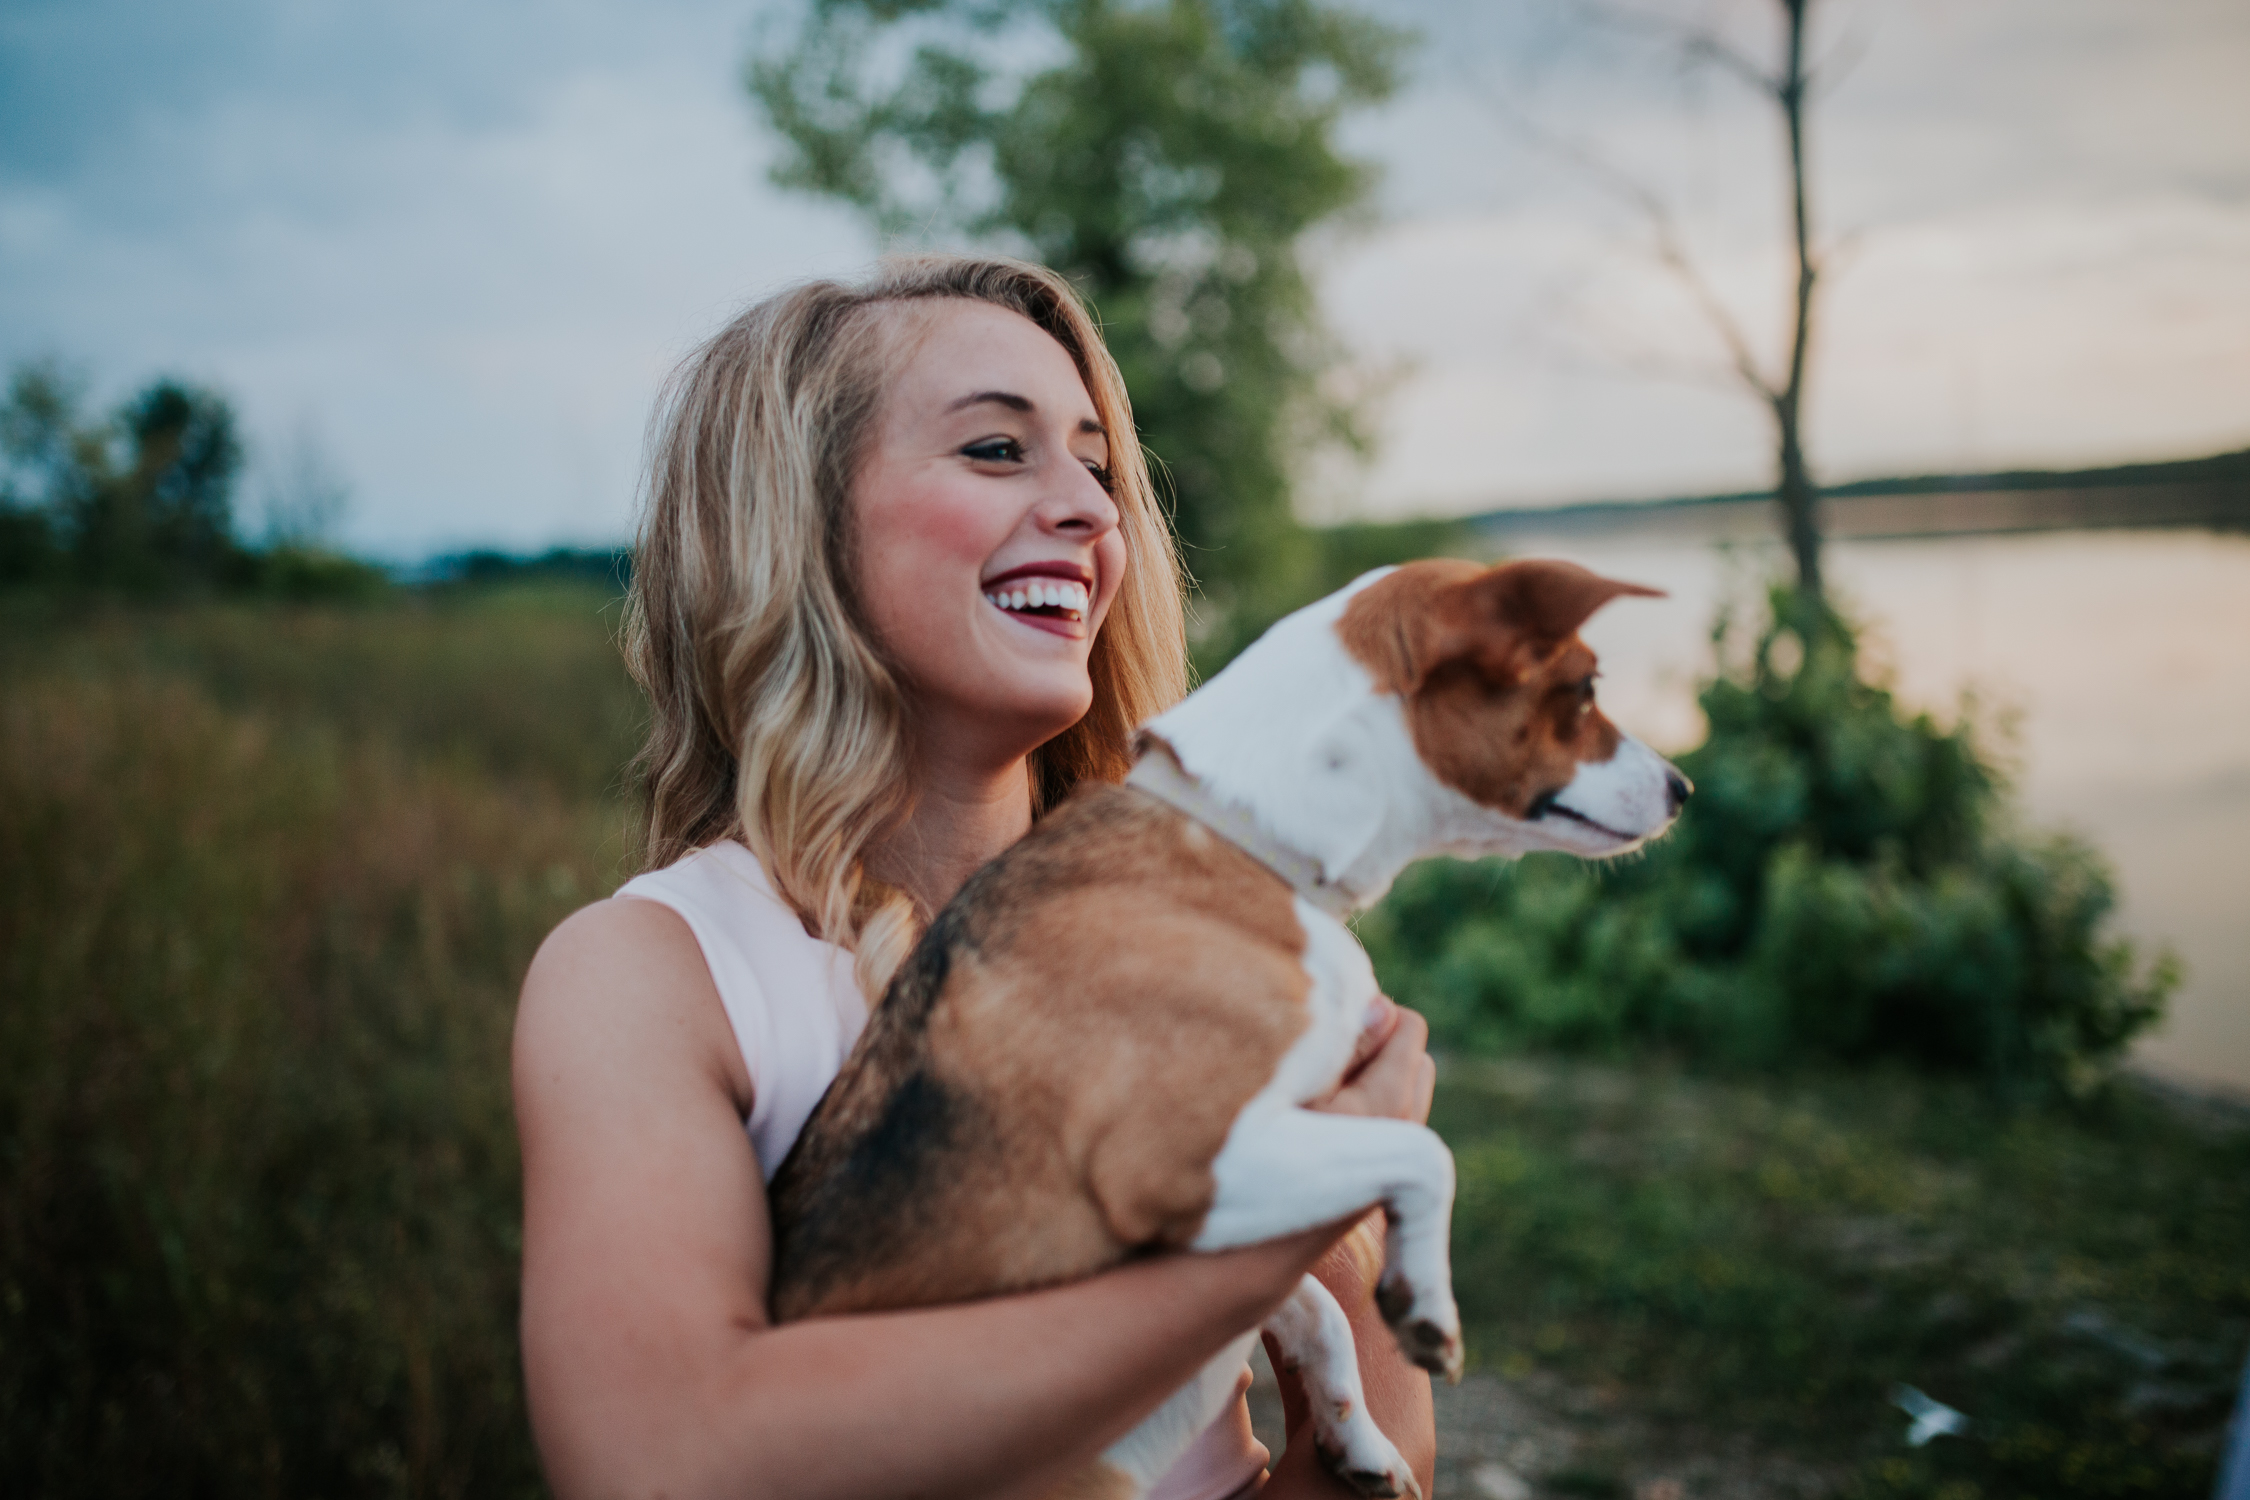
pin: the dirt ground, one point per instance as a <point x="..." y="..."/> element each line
<point x="1517" y="1440"/>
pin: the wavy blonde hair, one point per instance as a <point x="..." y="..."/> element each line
<point x="775" y="718"/>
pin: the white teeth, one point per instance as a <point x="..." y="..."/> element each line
<point x="1041" y="595"/>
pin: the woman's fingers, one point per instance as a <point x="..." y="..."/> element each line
<point x="1382" y="1021"/>
<point x="1397" y="1080"/>
<point x="1425" y="1087"/>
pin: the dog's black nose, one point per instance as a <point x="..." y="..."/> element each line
<point x="1677" y="788"/>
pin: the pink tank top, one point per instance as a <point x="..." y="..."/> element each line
<point x="796" y="1011"/>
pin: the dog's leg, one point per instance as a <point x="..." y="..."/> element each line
<point x="1285" y="1169"/>
<point x="1315" y="1340"/>
<point x="1144" y="1454"/>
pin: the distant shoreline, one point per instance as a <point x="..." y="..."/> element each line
<point x="2209" y="493"/>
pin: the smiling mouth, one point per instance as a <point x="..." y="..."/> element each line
<point x="1041" y="598"/>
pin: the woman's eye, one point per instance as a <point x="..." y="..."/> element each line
<point x="995" y="451"/>
<point x="1103" y="477"/>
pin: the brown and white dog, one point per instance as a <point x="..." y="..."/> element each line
<point x="1104" y="1044"/>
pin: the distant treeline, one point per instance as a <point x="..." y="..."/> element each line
<point x="2211" y="493"/>
<point x="2219" y="468"/>
<point x="610" y="566"/>
<point x="141" y="502"/>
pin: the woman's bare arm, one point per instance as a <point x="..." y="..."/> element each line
<point x="649" y="1361"/>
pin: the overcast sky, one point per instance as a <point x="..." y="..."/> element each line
<point x="452" y="249"/>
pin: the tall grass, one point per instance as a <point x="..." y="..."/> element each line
<point x="267" y="884"/>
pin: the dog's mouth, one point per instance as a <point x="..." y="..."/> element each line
<point x="1551" y="802"/>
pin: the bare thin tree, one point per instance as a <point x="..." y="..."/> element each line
<point x="1794" y="488"/>
<point x="1789" y="84"/>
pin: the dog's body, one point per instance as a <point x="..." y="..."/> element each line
<point x="1104" y="1043"/>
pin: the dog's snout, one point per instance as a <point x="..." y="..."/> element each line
<point x="1677" y="788"/>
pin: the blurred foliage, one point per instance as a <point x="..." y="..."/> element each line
<point x="269" y="879"/>
<point x="1170" y="158"/>
<point x="142" y="502"/>
<point x="1771" y="1258"/>
<point x="611" y="567"/>
<point x="1844" y="885"/>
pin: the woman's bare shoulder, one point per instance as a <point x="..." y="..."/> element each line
<point x="620" y="987"/>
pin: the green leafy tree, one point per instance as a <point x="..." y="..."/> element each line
<point x="141" y="502"/>
<point x="1169" y="157"/>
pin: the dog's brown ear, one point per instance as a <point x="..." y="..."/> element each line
<point x="1510" y="616"/>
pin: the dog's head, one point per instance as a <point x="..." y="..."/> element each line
<point x="1498" y="694"/>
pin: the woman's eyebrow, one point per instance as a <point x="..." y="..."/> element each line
<point x="1009" y="399"/>
<point x="1014" y="402"/>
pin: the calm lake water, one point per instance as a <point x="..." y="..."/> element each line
<point x="2120" y="660"/>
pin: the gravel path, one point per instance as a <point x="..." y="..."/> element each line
<point x="1522" y="1440"/>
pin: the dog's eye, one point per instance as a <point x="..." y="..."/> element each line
<point x="1585" y="693"/>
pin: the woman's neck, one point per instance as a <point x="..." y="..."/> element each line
<point x="962" y="817"/>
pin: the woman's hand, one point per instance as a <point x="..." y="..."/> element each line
<point x="1391" y="1073"/>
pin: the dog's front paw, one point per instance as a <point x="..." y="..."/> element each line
<point x="1353" y="1448"/>
<point x="1428" y="1326"/>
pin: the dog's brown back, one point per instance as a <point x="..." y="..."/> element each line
<point x="1043" y="1088"/>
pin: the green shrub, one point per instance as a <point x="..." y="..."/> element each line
<point x="310" y="575"/>
<point x="1845" y="884"/>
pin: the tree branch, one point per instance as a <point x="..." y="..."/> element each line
<point x="1663" y="225"/>
<point x="1837" y="65"/>
<point x="1696" y="43"/>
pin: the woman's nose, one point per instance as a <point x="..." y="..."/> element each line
<point x="1081" y="507"/>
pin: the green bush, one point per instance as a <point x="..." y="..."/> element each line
<point x="1846" y="884"/>
<point x="315" y="575"/>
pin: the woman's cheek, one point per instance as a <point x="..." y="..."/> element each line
<point x="1110" y="560"/>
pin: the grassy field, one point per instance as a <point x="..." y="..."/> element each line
<point x="268" y="881"/>
<point x="1769" y="1259"/>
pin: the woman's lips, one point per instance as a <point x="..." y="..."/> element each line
<point x="1068" y="572"/>
<point x="1069" y="630"/>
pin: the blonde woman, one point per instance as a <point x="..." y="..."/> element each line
<point x="852" y="709"/>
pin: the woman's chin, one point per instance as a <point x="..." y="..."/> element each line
<point x="1054" y="712"/>
<point x="1028" y="709"/>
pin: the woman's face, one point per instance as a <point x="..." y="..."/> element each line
<point x="986" y="542"/>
